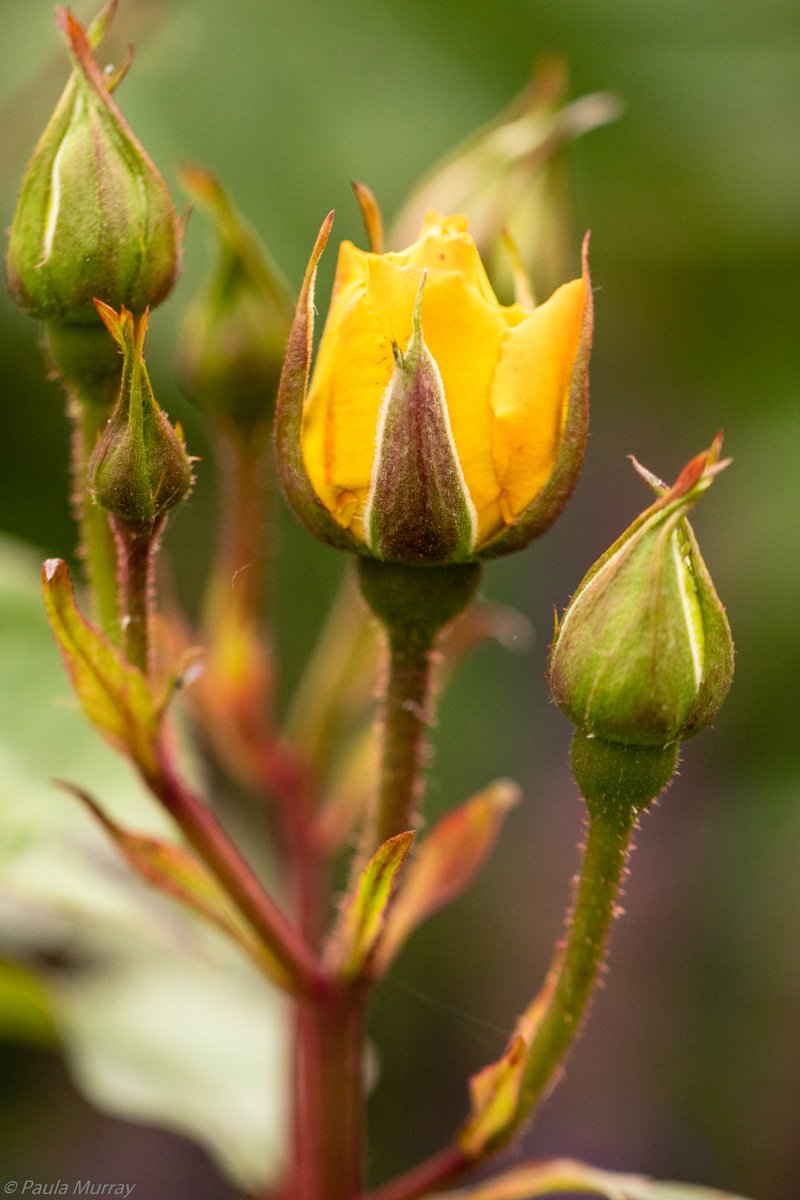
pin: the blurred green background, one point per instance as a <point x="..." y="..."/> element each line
<point x="689" y="1065"/>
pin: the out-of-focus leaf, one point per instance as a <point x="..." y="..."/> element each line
<point x="198" y="1047"/>
<point x="25" y="1009"/>
<point x="364" y="913"/>
<point x="114" y="696"/>
<point x="446" y="863"/>
<point x="176" y="871"/>
<point x="169" y="1024"/>
<point x="564" y="1175"/>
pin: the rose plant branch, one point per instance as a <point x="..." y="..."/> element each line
<point x="435" y="429"/>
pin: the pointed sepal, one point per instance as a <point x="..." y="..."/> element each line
<point x="419" y="510"/>
<point x="289" y="411"/>
<point x="139" y="469"/>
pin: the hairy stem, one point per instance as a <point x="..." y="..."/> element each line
<point x="570" y="983"/>
<point x="86" y="362"/>
<point x="413" y="604"/>
<point x="576" y="964"/>
<point x="136" y="547"/>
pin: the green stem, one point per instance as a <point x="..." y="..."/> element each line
<point x="571" y="979"/>
<point x="576" y="964"/>
<point x="137" y="547"/>
<point x="617" y="782"/>
<point x="405" y="715"/>
<point x="413" y="604"/>
<point x="86" y="362"/>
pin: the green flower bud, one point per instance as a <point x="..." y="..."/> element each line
<point x="235" y="332"/>
<point x="94" y="216"/>
<point x="643" y="655"/>
<point x="140" y="468"/>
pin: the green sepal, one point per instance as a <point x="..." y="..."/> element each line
<point x="418" y="510"/>
<point x="292" y="389"/>
<point x="140" y="468"/>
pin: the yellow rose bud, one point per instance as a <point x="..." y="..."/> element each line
<point x="513" y="384"/>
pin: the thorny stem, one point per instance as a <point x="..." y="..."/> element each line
<point x="86" y="362"/>
<point x="405" y="714"/>
<point x="413" y="604"/>
<point x="136" y="548"/>
<point x="97" y="544"/>
<point x="571" y="980"/>
<point x="576" y="965"/>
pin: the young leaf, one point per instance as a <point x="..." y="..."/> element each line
<point x="364" y="914"/>
<point x="563" y="1175"/>
<point x="115" y="696"/>
<point x="495" y="1099"/>
<point x="176" y="872"/>
<point x="494" y="1090"/>
<point x="446" y="863"/>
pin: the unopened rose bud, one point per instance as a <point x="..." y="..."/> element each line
<point x="140" y="468"/>
<point x="94" y="216"/>
<point x="234" y="334"/>
<point x="511" y="174"/>
<point x="643" y="655"/>
<point x="459" y="446"/>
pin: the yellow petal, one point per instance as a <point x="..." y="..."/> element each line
<point x="444" y="244"/>
<point x="529" y="397"/>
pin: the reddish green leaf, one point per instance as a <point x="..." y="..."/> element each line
<point x="362" y="920"/>
<point x="446" y="863"/>
<point x="563" y="1175"/>
<point x="115" y="696"/>
<point x="176" y="872"/>
<point x="494" y="1091"/>
<point x="495" y="1099"/>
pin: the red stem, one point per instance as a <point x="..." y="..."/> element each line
<point x="220" y="854"/>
